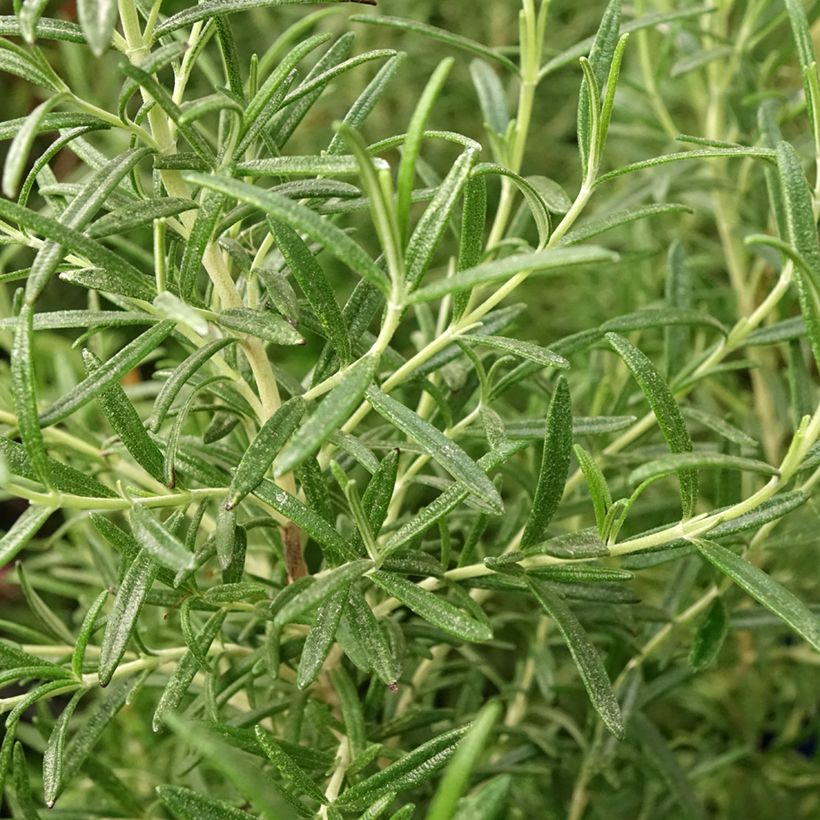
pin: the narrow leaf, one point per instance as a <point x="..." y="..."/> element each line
<point x="433" y="608"/>
<point x="97" y="19"/>
<point x="666" y="412"/>
<point x="320" y="589"/>
<point x="765" y="590"/>
<point x="131" y="595"/>
<point x="190" y="805"/>
<point x="440" y="448"/>
<point x="320" y="638"/>
<point x="22" y="531"/>
<point x="159" y="542"/>
<point x="709" y="637"/>
<point x="124" y="419"/>
<point x="315" y="285"/>
<point x="585" y="655"/>
<point x="110" y="371"/>
<point x="267" y="443"/>
<point x="409" y="770"/>
<point x="335" y="409"/>
<point x="554" y="464"/>
<point x="553" y="260"/>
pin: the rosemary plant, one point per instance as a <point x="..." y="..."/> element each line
<point x="351" y="467"/>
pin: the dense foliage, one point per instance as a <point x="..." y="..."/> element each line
<point x="351" y="467"/>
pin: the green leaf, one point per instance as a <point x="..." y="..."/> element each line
<point x="333" y="411"/>
<point x="179" y="378"/>
<point x="320" y="589"/>
<point x="263" y="324"/>
<point x="433" y="608"/>
<point x="188" y="666"/>
<point x="97" y="19"/>
<point x="703" y="153"/>
<point x="379" y="492"/>
<point x="25" y="397"/>
<point x="159" y="542"/>
<point x="441" y="35"/>
<point x="28" y="64"/>
<point x="87" y="629"/>
<point x="97" y="279"/>
<point x="13" y="658"/>
<point x="661" y="756"/>
<point x="801" y="235"/>
<point x="320" y="638"/>
<point x="79" y="748"/>
<point x="531" y="191"/>
<point x="553" y="260"/>
<point x="413" y="140"/>
<point x="697" y="461"/>
<point x="131" y="595"/>
<point x="29" y="16"/>
<point x="301" y="219"/>
<point x="709" y="636"/>
<point x="287" y="766"/>
<point x="464" y="761"/>
<point x="370" y="636"/>
<point x="91" y="196"/>
<point x="554" y="464"/>
<point x="247" y="778"/>
<point x="408" y="771"/>
<point x="267" y="443"/>
<point x="46" y="616"/>
<point x="378" y="187"/>
<point x="596" y="483"/>
<point x="784" y="331"/>
<point x="110" y="371"/>
<point x="190" y="805"/>
<point x="523" y="350"/>
<point x="315" y="285"/>
<point x="666" y="412"/>
<point x="137" y="215"/>
<point x="196" y="244"/>
<point x="430" y="228"/>
<point x="491" y="97"/>
<point x="471" y="240"/>
<point x="54" y="755"/>
<point x="366" y="101"/>
<point x="487" y="803"/>
<point x="764" y="589"/>
<point x="446" y="502"/>
<point x="585" y="655"/>
<point x="440" y="448"/>
<point x="616" y="219"/>
<point x="719" y="426"/>
<point x="165" y="101"/>
<point x="311" y="522"/>
<point x="22" y="531"/>
<point x="661" y="317"/>
<point x="126" y="423"/>
<point x="20" y="148"/>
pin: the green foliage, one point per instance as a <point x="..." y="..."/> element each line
<point x="353" y="366"/>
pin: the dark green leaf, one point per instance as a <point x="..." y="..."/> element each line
<point x="765" y="590"/>
<point x="433" y="608"/>
<point x="554" y="464"/>
<point x="334" y="409"/>
<point x="131" y="595"/>
<point x="666" y="412"/>
<point x="585" y="655"/>
<point x="443" y="450"/>
<point x="709" y="636"/>
<point x="110" y="371"/>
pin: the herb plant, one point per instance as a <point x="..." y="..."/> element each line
<point x="351" y="468"/>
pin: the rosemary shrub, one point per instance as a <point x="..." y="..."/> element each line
<point x="376" y="476"/>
